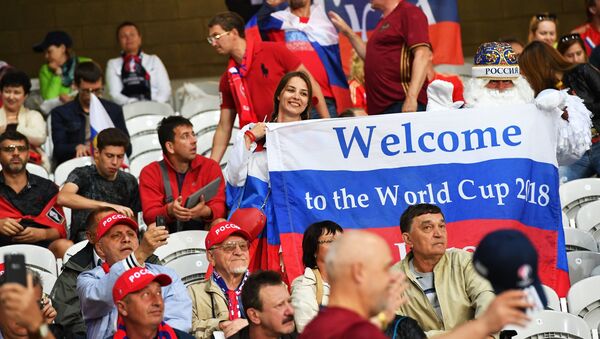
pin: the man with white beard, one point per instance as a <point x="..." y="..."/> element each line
<point x="496" y="81"/>
<point x="496" y="78"/>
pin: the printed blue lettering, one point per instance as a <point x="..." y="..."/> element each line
<point x="356" y="135"/>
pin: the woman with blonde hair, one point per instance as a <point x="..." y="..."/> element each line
<point x="543" y="27"/>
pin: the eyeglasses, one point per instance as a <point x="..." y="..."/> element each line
<point x="12" y="148"/>
<point x="230" y="246"/>
<point x="545" y="16"/>
<point x="570" y="37"/>
<point x="212" y="39"/>
<point x="96" y="91"/>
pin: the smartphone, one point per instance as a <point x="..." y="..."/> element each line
<point x="14" y="268"/>
<point x="160" y="221"/>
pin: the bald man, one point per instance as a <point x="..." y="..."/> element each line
<point x="363" y="286"/>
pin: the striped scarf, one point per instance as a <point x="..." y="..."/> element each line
<point x="234" y="297"/>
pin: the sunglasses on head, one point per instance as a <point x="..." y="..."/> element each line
<point x="570" y="37"/>
<point x="545" y="16"/>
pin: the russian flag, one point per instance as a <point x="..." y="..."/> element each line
<point x="442" y="15"/>
<point x="317" y="34"/>
<point x="99" y="121"/>
<point x="469" y="162"/>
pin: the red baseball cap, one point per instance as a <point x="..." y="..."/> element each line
<point x="221" y="231"/>
<point x="136" y="279"/>
<point x="114" y="219"/>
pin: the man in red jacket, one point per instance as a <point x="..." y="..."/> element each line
<point x="186" y="172"/>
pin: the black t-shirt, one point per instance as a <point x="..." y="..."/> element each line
<point x="30" y="201"/>
<point x="122" y="191"/>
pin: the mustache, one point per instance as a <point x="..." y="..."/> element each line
<point x="287" y="319"/>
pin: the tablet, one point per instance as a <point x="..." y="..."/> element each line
<point x="209" y="191"/>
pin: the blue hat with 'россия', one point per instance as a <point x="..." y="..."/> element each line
<point x="495" y="61"/>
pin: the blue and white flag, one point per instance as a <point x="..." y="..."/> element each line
<point x="99" y="118"/>
<point x="486" y="169"/>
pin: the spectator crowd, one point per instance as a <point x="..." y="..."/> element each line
<point x="286" y="68"/>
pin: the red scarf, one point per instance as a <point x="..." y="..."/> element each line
<point x="236" y="76"/>
<point x="164" y="331"/>
<point x="52" y="216"/>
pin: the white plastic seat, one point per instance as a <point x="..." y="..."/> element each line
<point x="141" y="160"/>
<point x="204" y="140"/>
<point x="73" y="250"/>
<point x="552" y="298"/>
<point x="552" y="324"/>
<point x="48" y="281"/>
<point x="579" y="240"/>
<point x="574" y="194"/>
<point x="583" y="299"/>
<point x="139" y="108"/>
<point x="565" y="220"/>
<point x="195" y="106"/>
<point x="144" y="143"/>
<point x="37" y="170"/>
<point x="181" y="244"/>
<point x="190" y="268"/>
<point x="36" y="257"/>
<point x="205" y="120"/>
<point x="225" y="157"/>
<point x="143" y="124"/>
<point x="588" y="219"/>
<point x="62" y="171"/>
<point x="581" y="264"/>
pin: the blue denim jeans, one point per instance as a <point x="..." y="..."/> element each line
<point x="330" y="102"/>
<point x="588" y="165"/>
<point x="397" y="108"/>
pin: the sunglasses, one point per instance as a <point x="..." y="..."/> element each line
<point x="230" y="246"/>
<point x="545" y="16"/>
<point x="213" y="38"/>
<point x="96" y="91"/>
<point x="12" y="148"/>
<point x="570" y="37"/>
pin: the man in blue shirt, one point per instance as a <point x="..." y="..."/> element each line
<point x="118" y="243"/>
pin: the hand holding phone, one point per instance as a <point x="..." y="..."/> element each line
<point x="14" y="268"/>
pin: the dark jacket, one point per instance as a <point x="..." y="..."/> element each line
<point x="64" y="293"/>
<point x="584" y="81"/>
<point x="68" y="127"/>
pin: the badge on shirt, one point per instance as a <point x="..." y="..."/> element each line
<point x="55" y="216"/>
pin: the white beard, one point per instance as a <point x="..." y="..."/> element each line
<point x="477" y="95"/>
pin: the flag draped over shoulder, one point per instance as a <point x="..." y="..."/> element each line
<point x="486" y="169"/>
<point x="318" y="32"/>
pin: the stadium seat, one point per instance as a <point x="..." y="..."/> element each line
<point x="143" y="124"/>
<point x="552" y="324"/>
<point x="574" y="194"/>
<point x="144" y="143"/>
<point x="141" y="160"/>
<point x="205" y="139"/>
<point x="36" y="169"/>
<point x="565" y="220"/>
<point x="581" y="264"/>
<point x="146" y="108"/>
<point x="181" y="244"/>
<point x="190" y="268"/>
<point x="579" y="240"/>
<point x="73" y="250"/>
<point x="48" y="281"/>
<point x="205" y="120"/>
<point x="588" y="219"/>
<point x="36" y="257"/>
<point x="583" y="299"/>
<point x="196" y="106"/>
<point x="62" y="171"/>
<point x="552" y="297"/>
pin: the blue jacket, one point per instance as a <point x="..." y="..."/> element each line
<point x="68" y="127"/>
<point x="100" y="313"/>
